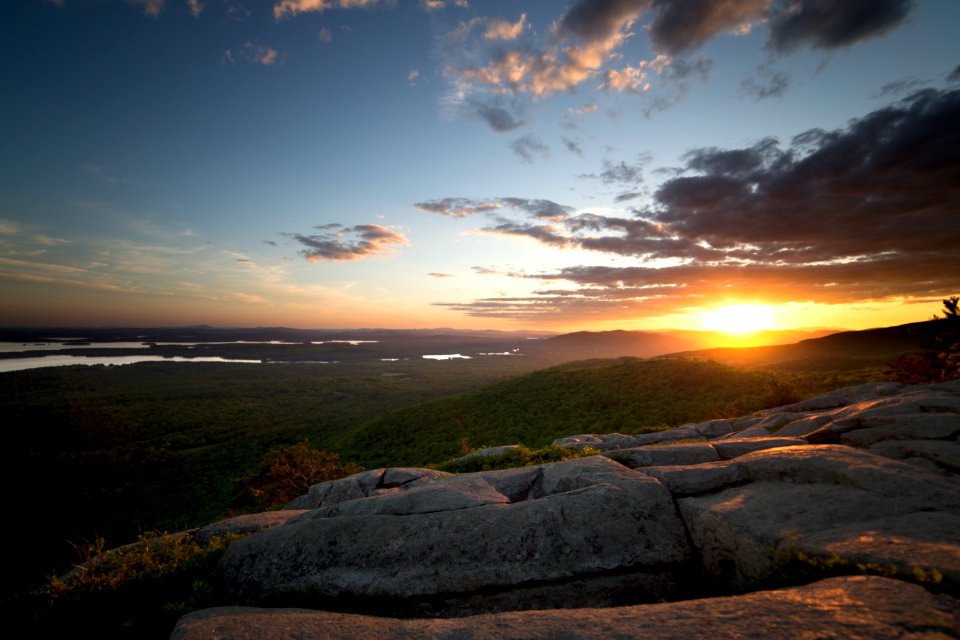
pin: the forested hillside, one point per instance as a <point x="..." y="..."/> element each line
<point x="628" y="395"/>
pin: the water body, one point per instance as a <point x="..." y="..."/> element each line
<point x="447" y="356"/>
<point x="17" y="347"/>
<point x="20" y="364"/>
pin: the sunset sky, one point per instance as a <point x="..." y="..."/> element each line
<point x="478" y="164"/>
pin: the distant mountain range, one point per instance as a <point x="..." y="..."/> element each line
<point x="793" y="348"/>
<point x="646" y="344"/>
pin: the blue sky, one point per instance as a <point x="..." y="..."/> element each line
<point x="555" y="165"/>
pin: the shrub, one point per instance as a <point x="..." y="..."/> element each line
<point x="288" y="472"/>
<point x="137" y="591"/>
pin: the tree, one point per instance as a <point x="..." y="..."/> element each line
<point x="288" y="472"/>
<point x="950" y="311"/>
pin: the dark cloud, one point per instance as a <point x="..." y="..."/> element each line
<point x="628" y="195"/>
<point x="833" y="24"/>
<point x="684" y="25"/>
<point x="679" y="26"/>
<point x="954" y="76"/>
<point x="498" y="118"/>
<point x="528" y="147"/>
<point x="888" y="184"/>
<point x="547" y="234"/>
<point x="599" y="19"/>
<point x="864" y="213"/>
<point x="272" y="243"/>
<point x="349" y="243"/>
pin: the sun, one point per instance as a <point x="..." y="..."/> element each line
<point x="739" y="319"/>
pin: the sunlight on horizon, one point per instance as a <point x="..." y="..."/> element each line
<point x="741" y="319"/>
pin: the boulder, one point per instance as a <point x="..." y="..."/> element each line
<point x="814" y="501"/>
<point x="691" y="480"/>
<point x="575" y="522"/>
<point x="364" y="485"/>
<point x="847" y="607"/>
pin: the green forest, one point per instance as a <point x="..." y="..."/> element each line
<point x="117" y="451"/>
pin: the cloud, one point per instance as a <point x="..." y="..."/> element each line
<point x="600" y="19"/>
<point x="486" y="57"/>
<point x="152" y="8"/>
<point x="899" y="87"/>
<point x="621" y="173"/>
<point x="325" y="35"/>
<point x="577" y="50"/>
<point x="538" y="208"/>
<point x="770" y="84"/>
<point x="498" y="29"/>
<point x="863" y="213"/>
<point x="290" y="8"/>
<point x="833" y="24"/>
<point x="498" y="118"/>
<point x="461" y="207"/>
<point x="954" y="76"/>
<point x="100" y="172"/>
<point x="196" y="7"/>
<point x="679" y="27"/>
<point x="436" y="5"/>
<point x="258" y="54"/>
<point x="343" y="244"/>
<point x="547" y="234"/>
<point x="572" y="146"/>
<point x="439" y="275"/>
<point x="528" y="146"/>
<point x="457" y="207"/>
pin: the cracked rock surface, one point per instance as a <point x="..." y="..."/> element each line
<point x="860" y="480"/>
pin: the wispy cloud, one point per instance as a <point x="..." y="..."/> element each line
<point x="529" y="147"/>
<point x="196" y="7"/>
<point x="260" y="54"/>
<point x="290" y="8"/>
<point x="100" y="172"/>
<point x="342" y="244"/>
<point x="325" y="35"/>
<point x="152" y="8"/>
<point x="499" y="29"/>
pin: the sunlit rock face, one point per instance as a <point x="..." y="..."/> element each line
<point x="846" y="607"/>
<point x="861" y="480"/>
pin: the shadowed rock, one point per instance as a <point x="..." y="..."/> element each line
<point x="583" y="518"/>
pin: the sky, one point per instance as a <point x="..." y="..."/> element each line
<point x="553" y="165"/>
